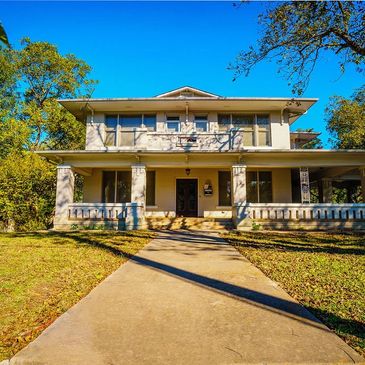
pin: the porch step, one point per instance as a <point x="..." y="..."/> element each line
<point x="206" y="224"/>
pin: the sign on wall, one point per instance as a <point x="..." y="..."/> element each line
<point x="304" y="185"/>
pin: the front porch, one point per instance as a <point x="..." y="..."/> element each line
<point x="246" y="197"/>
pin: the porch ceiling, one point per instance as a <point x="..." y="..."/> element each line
<point x="252" y="158"/>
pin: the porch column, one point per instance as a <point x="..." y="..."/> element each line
<point x="136" y="220"/>
<point x="64" y="195"/>
<point x="326" y="190"/>
<point x="362" y="175"/>
<point x="239" y="212"/>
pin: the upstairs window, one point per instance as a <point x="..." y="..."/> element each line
<point x="119" y="128"/>
<point x="224" y="121"/>
<point x="263" y="129"/>
<point x="149" y="121"/>
<point x="201" y="123"/>
<point x="111" y="122"/>
<point x="255" y="128"/>
<point x="173" y="123"/>
<point x="246" y="123"/>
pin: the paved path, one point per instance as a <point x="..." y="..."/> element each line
<point x="187" y="298"/>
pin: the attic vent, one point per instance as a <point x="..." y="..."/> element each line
<point x="186" y="93"/>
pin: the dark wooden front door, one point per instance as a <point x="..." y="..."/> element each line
<point x="186" y="197"/>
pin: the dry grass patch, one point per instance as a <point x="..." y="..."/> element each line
<point x="42" y="274"/>
<point x="323" y="271"/>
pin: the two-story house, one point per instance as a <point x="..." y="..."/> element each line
<point x="191" y="153"/>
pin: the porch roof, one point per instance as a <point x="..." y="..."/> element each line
<point x="252" y="158"/>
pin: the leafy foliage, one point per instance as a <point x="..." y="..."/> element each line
<point x="31" y="81"/>
<point x="27" y="191"/>
<point x="297" y="33"/>
<point x="3" y="36"/>
<point x="323" y="271"/>
<point x="346" y="120"/>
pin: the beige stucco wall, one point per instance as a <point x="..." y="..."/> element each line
<point x="280" y="134"/>
<point x="281" y="184"/>
<point x="207" y="205"/>
<point x="95" y="129"/>
<point x="95" y="132"/>
<point x="166" y="191"/>
<point x="92" y="187"/>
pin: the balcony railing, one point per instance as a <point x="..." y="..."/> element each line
<point x="233" y="139"/>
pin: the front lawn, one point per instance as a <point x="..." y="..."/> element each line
<point x="42" y="274"/>
<point x="323" y="271"/>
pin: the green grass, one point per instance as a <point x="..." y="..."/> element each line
<point x="42" y="274"/>
<point x="323" y="271"/>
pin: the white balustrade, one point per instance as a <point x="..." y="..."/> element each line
<point x="290" y="212"/>
<point x="104" y="211"/>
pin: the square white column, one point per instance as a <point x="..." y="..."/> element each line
<point x="136" y="220"/>
<point x="64" y="194"/>
<point x="239" y="184"/>
<point x="240" y="212"/>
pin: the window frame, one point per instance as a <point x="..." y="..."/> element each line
<point x="154" y="188"/>
<point x="115" y="192"/>
<point x="203" y="119"/>
<point x="258" y="193"/>
<point x="256" y="129"/>
<point x="118" y="128"/>
<point x="177" y="120"/>
<point x="219" y="190"/>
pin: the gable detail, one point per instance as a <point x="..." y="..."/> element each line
<point x="187" y="92"/>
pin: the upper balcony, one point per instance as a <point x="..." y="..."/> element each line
<point x="188" y="119"/>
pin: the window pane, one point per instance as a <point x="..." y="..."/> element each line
<point x="201" y="126"/>
<point x="150" y="188"/>
<point x="247" y="138"/>
<point x="173" y="118"/>
<point x="150" y="122"/>
<point x="124" y="179"/>
<point x="243" y="120"/>
<point x="263" y="120"/>
<point x="263" y="138"/>
<point x="108" y="193"/>
<point x="130" y="121"/>
<point x="224" y="121"/>
<point x="173" y="126"/>
<point x="109" y="138"/>
<point x="251" y="183"/>
<point x="111" y="121"/>
<point x="265" y="187"/>
<point x="224" y="187"/>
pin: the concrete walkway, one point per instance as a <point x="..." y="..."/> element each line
<point x="187" y="298"/>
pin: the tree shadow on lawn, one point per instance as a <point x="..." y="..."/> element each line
<point x="342" y="326"/>
<point x="280" y="306"/>
<point x="104" y="240"/>
<point x="312" y="244"/>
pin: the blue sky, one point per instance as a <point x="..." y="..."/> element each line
<point x="145" y="48"/>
